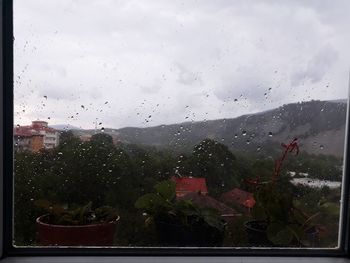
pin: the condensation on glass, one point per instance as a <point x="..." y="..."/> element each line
<point x="179" y="123"/>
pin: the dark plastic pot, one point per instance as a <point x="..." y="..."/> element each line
<point x="182" y="236"/>
<point x="85" y="235"/>
<point x="257" y="236"/>
<point x="256" y="233"/>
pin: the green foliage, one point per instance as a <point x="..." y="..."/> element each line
<point x="102" y="139"/>
<point x="84" y="215"/>
<point x="77" y="172"/>
<point x="275" y="204"/>
<point x="163" y="206"/>
<point x="320" y="166"/>
<point x="216" y="163"/>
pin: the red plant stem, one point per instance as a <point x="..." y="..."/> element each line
<point x="293" y="145"/>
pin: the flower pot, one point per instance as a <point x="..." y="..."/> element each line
<point x="256" y="233"/>
<point x="83" y="235"/>
<point x="177" y="235"/>
<point x="257" y="236"/>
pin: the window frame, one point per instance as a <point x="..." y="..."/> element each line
<point x="6" y="186"/>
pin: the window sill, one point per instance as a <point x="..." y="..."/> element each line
<point x="176" y="259"/>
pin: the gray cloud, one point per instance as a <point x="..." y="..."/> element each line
<point x="317" y="67"/>
<point x="158" y="57"/>
<point x="188" y="77"/>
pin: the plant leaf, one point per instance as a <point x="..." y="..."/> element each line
<point x="150" y="202"/>
<point x="43" y="203"/>
<point x="279" y="234"/>
<point x="166" y="189"/>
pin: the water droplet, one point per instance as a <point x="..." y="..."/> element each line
<point x="45" y="96"/>
<point x="82" y="106"/>
<point x="60" y="153"/>
<point x="235" y="100"/>
<point x="321" y="147"/>
<point x="106" y="102"/>
<point x="102" y="129"/>
<point x="259" y="148"/>
<point x="322" y="109"/>
<point x="248" y="141"/>
<point x="236" y="136"/>
<point x="244" y="133"/>
<point x="270" y="134"/>
<point x="110" y="171"/>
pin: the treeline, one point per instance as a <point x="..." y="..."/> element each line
<point x="77" y="172"/>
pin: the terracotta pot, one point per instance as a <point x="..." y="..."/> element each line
<point x="85" y="235"/>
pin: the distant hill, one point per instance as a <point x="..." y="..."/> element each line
<point x="64" y="127"/>
<point x="320" y="126"/>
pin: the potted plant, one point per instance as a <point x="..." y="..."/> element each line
<point x="79" y="226"/>
<point x="180" y="222"/>
<point x="278" y="222"/>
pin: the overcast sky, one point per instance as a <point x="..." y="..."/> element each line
<point x="145" y="63"/>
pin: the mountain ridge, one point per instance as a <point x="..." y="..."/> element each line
<point x="320" y="125"/>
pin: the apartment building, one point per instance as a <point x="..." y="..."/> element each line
<point x="35" y="137"/>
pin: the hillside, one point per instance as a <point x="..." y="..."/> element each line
<point x="320" y="126"/>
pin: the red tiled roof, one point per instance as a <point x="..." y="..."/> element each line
<point x="239" y="196"/>
<point x="190" y="184"/>
<point x="30" y="130"/>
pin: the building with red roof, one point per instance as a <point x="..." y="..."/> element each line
<point x="239" y="197"/>
<point x="185" y="185"/>
<point x="35" y="137"/>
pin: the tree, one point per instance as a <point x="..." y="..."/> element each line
<point x="215" y="162"/>
<point x="102" y="139"/>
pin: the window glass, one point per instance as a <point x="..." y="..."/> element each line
<point x="179" y="123"/>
